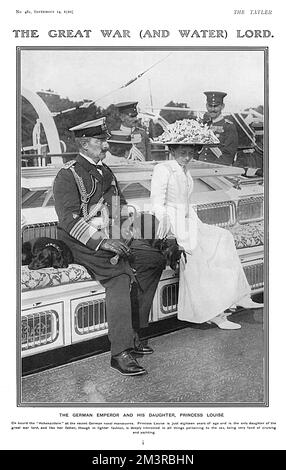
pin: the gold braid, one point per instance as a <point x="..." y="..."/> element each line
<point x="85" y="197"/>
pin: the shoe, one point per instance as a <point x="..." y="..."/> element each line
<point x="126" y="364"/>
<point x="223" y="323"/>
<point x="247" y="302"/>
<point x="140" y="349"/>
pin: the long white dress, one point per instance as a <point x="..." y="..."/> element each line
<point x="212" y="280"/>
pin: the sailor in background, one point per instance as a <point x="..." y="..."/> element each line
<point x="90" y="209"/>
<point x="119" y="148"/>
<point x="223" y="128"/>
<point x="128" y="115"/>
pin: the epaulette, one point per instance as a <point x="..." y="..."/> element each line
<point x="69" y="164"/>
<point x="228" y="121"/>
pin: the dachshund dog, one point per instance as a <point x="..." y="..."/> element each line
<point x="46" y="253"/>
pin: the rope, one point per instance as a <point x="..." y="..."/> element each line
<point x="86" y="105"/>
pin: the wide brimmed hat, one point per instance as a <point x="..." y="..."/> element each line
<point x="187" y="132"/>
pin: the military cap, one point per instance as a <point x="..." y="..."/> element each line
<point x="128" y="107"/>
<point x="215" y="97"/>
<point x="120" y="137"/>
<point x="96" y="128"/>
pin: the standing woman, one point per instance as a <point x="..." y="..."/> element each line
<point x="212" y="280"/>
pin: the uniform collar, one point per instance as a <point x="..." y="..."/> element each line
<point x="218" y="119"/>
<point x="127" y="130"/>
<point x="90" y="160"/>
<point x="89" y="167"/>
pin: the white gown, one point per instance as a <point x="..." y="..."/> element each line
<point x="212" y="280"/>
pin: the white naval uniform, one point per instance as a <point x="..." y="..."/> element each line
<point x="212" y="280"/>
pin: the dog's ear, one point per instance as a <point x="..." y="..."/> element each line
<point x="69" y="256"/>
<point x="170" y="242"/>
<point x="48" y="257"/>
<point x="41" y="259"/>
<point x="58" y="260"/>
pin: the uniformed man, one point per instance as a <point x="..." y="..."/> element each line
<point x="223" y="128"/>
<point x="119" y="147"/>
<point x="87" y="201"/>
<point x="128" y="114"/>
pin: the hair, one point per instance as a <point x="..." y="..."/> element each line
<point x="173" y="147"/>
<point x="81" y="141"/>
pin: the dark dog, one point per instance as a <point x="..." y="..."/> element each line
<point x="145" y="226"/>
<point x="171" y="251"/>
<point x="46" y="253"/>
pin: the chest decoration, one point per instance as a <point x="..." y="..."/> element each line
<point x="85" y="197"/>
<point x="136" y="138"/>
<point x="217" y="129"/>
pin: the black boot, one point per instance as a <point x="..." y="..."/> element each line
<point x="141" y="348"/>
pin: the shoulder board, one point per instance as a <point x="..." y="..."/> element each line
<point x="69" y="164"/>
<point x="229" y="122"/>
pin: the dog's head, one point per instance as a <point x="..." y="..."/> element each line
<point x="171" y="251"/>
<point x="50" y="255"/>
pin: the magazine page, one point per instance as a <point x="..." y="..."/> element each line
<point x="143" y="252"/>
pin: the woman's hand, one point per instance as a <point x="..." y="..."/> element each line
<point x="164" y="227"/>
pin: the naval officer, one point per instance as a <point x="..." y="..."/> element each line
<point x="87" y="201"/>
<point x="223" y="128"/>
<point x="128" y="115"/>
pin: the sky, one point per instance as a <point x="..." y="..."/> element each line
<point x="180" y="76"/>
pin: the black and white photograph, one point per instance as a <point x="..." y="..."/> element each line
<point x="142" y="213"/>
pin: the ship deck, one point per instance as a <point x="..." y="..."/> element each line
<point x="197" y="365"/>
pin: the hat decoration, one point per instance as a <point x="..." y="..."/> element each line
<point x="187" y="132"/>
